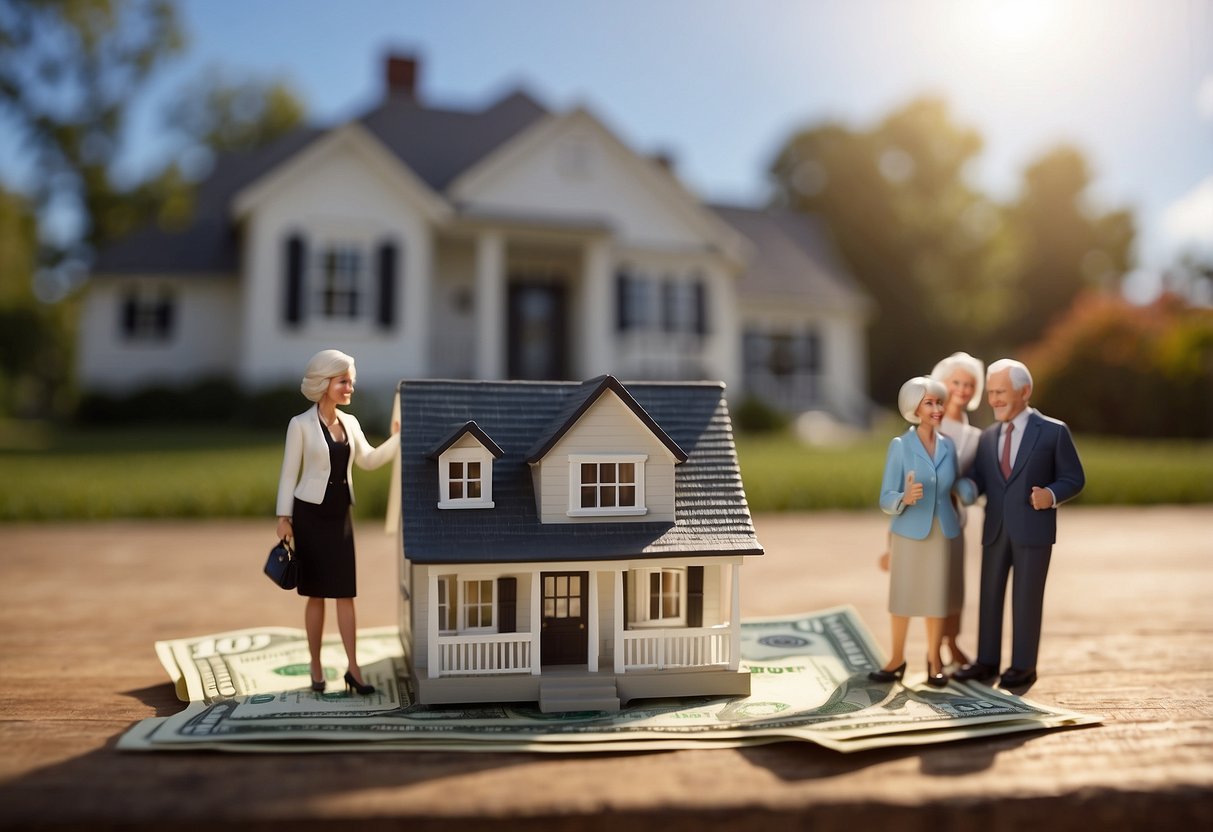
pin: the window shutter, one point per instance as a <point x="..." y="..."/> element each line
<point x="701" y="306"/>
<point x="130" y="314"/>
<point x="627" y="604"/>
<point x="507" y="605"/>
<point x="622" y="324"/>
<point x="694" y="596"/>
<point x="387" y="285"/>
<point x="164" y="318"/>
<point x="296" y="252"/>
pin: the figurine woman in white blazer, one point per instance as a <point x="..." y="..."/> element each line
<point x="315" y="493"/>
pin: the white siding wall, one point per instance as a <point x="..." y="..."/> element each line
<point x="342" y="197"/>
<point x="202" y="341"/>
<point x="608" y="427"/>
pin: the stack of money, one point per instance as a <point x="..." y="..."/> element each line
<point x="249" y="690"/>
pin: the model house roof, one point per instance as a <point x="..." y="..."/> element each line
<point x="712" y="516"/>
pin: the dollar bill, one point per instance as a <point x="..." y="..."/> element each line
<point x="250" y="689"/>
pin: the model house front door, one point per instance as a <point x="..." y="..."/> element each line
<point x="537" y="331"/>
<point x="564" y="636"/>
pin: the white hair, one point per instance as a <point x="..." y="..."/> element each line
<point x="913" y="392"/>
<point x="325" y="366"/>
<point x="1020" y="377"/>
<point x="968" y="364"/>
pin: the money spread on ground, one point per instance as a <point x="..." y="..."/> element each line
<point x="249" y="690"/>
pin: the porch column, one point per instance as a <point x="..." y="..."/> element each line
<point x="591" y="655"/>
<point x="618" y="622"/>
<point x="596" y="312"/>
<point x="735" y="620"/>
<point x="490" y="305"/>
<point x="536" y="624"/>
<point x="431" y="626"/>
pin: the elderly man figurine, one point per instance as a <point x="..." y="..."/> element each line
<point x="1027" y="466"/>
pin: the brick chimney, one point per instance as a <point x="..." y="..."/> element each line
<point x="402" y="76"/>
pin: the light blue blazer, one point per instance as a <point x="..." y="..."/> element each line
<point x="307" y="449"/>
<point x="939" y="477"/>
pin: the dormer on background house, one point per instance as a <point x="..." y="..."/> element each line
<point x="505" y="242"/>
<point x="608" y="567"/>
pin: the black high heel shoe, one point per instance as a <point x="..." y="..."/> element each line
<point x="893" y="675"/>
<point x="352" y="684"/>
<point x="936" y="680"/>
<point x="318" y="687"/>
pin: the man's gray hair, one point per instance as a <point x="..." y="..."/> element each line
<point x="1020" y="377"/>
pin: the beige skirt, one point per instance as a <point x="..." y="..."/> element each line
<point x="920" y="575"/>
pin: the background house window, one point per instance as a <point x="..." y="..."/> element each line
<point x="148" y="315"/>
<point x="342" y="276"/>
<point x="477" y="605"/>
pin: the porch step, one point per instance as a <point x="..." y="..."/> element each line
<point x="578" y="693"/>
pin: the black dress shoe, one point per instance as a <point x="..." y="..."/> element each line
<point x="975" y="672"/>
<point x="893" y="675"/>
<point x="1016" y="678"/>
<point x="936" y="680"/>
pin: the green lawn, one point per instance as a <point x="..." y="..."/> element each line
<point x="191" y="472"/>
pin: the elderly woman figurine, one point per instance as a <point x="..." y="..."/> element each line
<point x="920" y="474"/>
<point x="314" y="503"/>
<point x="964" y="377"/>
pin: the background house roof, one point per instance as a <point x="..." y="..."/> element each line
<point x="793" y="258"/>
<point x="712" y="516"/>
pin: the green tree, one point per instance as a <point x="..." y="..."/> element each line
<point x="930" y="249"/>
<point x="1065" y="246"/>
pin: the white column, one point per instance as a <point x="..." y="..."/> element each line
<point x="591" y="659"/>
<point x="536" y="623"/>
<point x="416" y="276"/>
<point x="490" y="305"/>
<point x="735" y="620"/>
<point x="618" y="623"/>
<point x="431" y="626"/>
<point x="595" y="321"/>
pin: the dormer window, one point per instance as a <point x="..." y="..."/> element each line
<point x="465" y="468"/>
<point x="606" y="485"/>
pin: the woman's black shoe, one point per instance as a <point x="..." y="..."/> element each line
<point x="318" y="687"/>
<point x="893" y="675"/>
<point x="936" y="680"/>
<point x="352" y="684"/>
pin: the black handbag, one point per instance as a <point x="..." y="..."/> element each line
<point x="281" y="565"/>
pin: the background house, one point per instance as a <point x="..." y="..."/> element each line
<point x="505" y="243"/>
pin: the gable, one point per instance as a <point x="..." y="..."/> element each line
<point x="572" y="169"/>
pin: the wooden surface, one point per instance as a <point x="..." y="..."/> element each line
<point x="1128" y="633"/>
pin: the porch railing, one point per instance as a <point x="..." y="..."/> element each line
<point x="659" y="649"/>
<point x="483" y="655"/>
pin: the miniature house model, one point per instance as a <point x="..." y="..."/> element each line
<point x="574" y="544"/>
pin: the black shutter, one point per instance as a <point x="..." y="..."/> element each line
<point x="296" y="253"/>
<point x="507" y="605"/>
<point x="694" y="596"/>
<point x="627" y="620"/>
<point x="387" y="285"/>
<point x="164" y="318"/>
<point x="130" y="314"/>
<point x="701" y="306"/>
<point x="622" y="324"/>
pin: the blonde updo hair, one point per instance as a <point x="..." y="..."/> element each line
<point x="971" y="365"/>
<point x="913" y="392"/>
<point x="324" y="366"/>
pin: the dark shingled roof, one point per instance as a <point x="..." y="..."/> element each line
<point x="455" y="435"/>
<point x="712" y="516"/>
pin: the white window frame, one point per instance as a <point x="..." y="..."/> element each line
<point x="642" y="596"/>
<point x="577" y="460"/>
<point x="464" y="456"/>
<point x="347" y="283"/>
<point x="466" y="607"/>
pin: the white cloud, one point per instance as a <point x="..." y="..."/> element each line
<point x="1188" y="222"/>
<point x="1204" y="99"/>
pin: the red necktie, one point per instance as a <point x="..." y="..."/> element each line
<point x="1005" y="464"/>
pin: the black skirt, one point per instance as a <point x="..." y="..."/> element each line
<point x="324" y="534"/>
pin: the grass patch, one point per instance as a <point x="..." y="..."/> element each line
<point x="212" y="472"/>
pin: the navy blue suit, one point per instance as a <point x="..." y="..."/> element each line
<point x="1015" y="536"/>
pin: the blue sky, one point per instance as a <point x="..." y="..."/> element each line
<point x="722" y="84"/>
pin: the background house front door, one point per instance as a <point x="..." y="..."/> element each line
<point x="564" y="636"/>
<point x="537" y="331"/>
